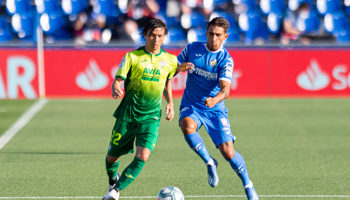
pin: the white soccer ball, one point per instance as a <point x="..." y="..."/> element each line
<point x="170" y="193"/>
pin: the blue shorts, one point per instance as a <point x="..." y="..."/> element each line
<point x="215" y="122"/>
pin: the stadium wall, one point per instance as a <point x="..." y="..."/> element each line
<point x="88" y="73"/>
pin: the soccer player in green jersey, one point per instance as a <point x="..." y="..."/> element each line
<point x="146" y="73"/>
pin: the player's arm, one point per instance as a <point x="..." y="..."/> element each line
<point x="117" y="92"/>
<point x="169" y="98"/>
<point x="184" y="67"/>
<point x="223" y="94"/>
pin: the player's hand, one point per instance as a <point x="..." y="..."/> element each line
<point x="117" y="93"/>
<point x="169" y="112"/>
<point x="185" y="66"/>
<point x="209" y="102"/>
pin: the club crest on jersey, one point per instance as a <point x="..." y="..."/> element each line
<point x="162" y="64"/>
<point x="213" y="62"/>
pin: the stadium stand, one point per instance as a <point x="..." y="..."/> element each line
<point x="110" y="21"/>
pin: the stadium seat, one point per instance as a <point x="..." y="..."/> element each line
<point x="343" y="36"/>
<point x="47" y="6"/>
<point x="73" y="7"/>
<point x="347" y="6"/>
<point x="54" y="25"/>
<point x="194" y="19"/>
<point x="328" y="6"/>
<point x="18" y="6"/>
<point x="251" y="5"/>
<point x="5" y="30"/>
<point x="253" y="27"/>
<point x="175" y="35"/>
<point x="294" y="4"/>
<point x="106" y="7"/>
<point x="274" y="22"/>
<point x="336" y="23"/>
<point x="196" y="34"/>
<point x="309" y="24"/>
<point x="272" y="6"/>
<point x="23" y="25"/>
<point x="170" y="21"/>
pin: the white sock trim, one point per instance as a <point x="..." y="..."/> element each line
<point x="249" y="185"/>
<point x="210" y="162"/>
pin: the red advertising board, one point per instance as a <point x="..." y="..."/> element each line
<point x="18" y="74"/>
<point x="87" y="73"/>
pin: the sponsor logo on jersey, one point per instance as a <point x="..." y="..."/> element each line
<point x="92" y="78"/>
<point x="151" y="74"/>
<point x="313" y="78"/>
<point x="206" y="74"/>
<point x="198" y="54"/>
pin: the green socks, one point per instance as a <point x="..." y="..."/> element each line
<point x="112" y="169"/>
<point x="130" y="173"/>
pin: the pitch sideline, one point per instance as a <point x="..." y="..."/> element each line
<point x="21" y="122"/>
<point x="187" y="196"/>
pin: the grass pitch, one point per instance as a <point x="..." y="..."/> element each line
<point x="292" y="147"/>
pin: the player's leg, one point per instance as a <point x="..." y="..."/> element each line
<point x="146" y="139"/>
<point x="112" y="165"/>
<point x="237" y="163"/>
<point x="190" y="123"/>
<point x="121" y="143"/>
<point x="133" y="170"/>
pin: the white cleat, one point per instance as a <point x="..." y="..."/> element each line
<point x="112" y="194"/>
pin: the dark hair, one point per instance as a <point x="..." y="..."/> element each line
<point x="153" y="24"/>
<point x="220" y="22"/>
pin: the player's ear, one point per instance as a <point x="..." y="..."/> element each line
<point x="226" y="36"/>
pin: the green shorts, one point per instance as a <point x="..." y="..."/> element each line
<point x="124" y="134"/>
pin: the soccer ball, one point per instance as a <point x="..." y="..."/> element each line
<point x="170" y="193"/>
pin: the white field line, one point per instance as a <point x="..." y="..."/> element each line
<point x="21" y="122"/>
<point x="187" y="196"/>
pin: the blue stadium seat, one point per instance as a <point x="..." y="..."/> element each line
<point x="251" y="5"/>
<point x="343" y="36"/>
<point x="5" y="30"/>
<point x="47" y="6"/>
<point x="24" y="26"/>
<point x="274" y="22"/>
<point x="176" y="35"/>
<point x="73" y="7"/>
<point x="170" y="21"/>
<point x="310" y="24"/>
<point x="272" y="6"/>
<point x="18" y="6"/>
<point x="336" y="24"/>
<point x="253" y="27"/>
<point x="107" y="8"/>
<point x="328" y="6"/>
<point x="294" y="4"/>
<point x="194" y="19"/>
<point x="233" y="35"/>
<point x="54" y="25"/>
<point x="196" y="34"/>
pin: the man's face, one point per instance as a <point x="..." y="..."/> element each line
<point x="215" y="37"/>
<point x="155" y="38"/>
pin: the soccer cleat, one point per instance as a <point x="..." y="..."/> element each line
<point x="112" y="194"/>
<point x="250" y="192"/>
<point x="213" y="178"/>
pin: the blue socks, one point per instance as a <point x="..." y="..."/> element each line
<point x="195" y="141"/>
<point x="237" y="163"/>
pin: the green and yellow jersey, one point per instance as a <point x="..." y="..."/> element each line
<point x="145" y="76"/>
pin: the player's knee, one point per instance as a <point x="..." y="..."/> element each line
<point x="112" y="159"/>
<point x="142" y="156"/>
<point x="188" y="127"/>
<point x="227" y="151"/>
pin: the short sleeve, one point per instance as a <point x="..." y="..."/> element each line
<point x="183" y="56"/>
<point x="226" y="69"/>
<point x="174" y="66"/>
<point x="124" y="67"/>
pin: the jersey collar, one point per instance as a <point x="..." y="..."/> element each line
<point x="220" y="49"/>
<point x="144" y="49"/>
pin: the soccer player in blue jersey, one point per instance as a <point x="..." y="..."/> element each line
<point x="210" y="68"/>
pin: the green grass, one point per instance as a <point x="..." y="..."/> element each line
<point x="10" y="110"/>
<point x="291" y="147"/>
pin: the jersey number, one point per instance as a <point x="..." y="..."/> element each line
<point x="115" y="138"/>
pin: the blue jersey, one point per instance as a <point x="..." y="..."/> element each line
<point x="209" y="68"/>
